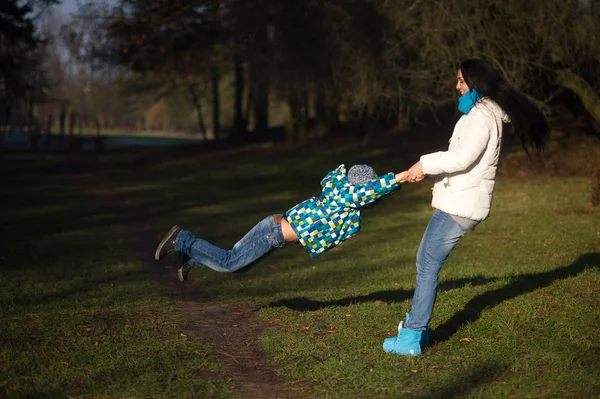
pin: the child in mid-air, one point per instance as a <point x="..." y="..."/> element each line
<point x="319" y="223"/>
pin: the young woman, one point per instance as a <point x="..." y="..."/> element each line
<point x="465" y="178"/>
<point x="319" y="223"/>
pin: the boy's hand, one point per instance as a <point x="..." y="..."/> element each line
<point x="401" y="177"/>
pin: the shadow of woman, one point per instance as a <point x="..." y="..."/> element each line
<point x="303" y="304"/>
<point x="522" y="284"/>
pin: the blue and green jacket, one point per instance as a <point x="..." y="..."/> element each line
<point x="323" y="222"/>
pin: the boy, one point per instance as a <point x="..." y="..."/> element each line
<point x="319" y="223"/>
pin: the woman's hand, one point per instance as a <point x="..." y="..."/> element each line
<point x="415" y="173"/>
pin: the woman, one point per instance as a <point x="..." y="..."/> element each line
<point x="465" y="173"/>
<point x="318" y="223"/>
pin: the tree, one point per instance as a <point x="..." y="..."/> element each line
<point x="19" y="45"/>
<point x="544" y="47"/>
<point x="175" y="46"/>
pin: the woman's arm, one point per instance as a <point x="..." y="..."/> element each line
<point x="472" y="143"/>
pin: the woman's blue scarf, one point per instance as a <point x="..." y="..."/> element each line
<point x="466" y="102"/>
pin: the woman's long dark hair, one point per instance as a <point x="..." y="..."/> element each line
<point x="527" y="121"/>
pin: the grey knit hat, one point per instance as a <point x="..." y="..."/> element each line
<point x="361" y="174"/>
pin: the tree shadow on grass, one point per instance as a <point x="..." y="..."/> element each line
<point x="522" y="284"/>
<point x="305" y="304"/>
<point x="81" y="289"/>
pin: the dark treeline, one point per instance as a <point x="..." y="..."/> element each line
<point x="235" y="68"/>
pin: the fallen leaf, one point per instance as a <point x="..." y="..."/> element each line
<point x="348" y="315"/>
<point x="414" y="371"/>
<point x="182" y="335"/>
<point x="466" y="340"/>
<point x="332" y="330"/>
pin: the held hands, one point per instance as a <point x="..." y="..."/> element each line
<point x="413" y="175"/>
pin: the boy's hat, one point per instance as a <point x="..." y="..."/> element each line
<point x="361" y="174"/>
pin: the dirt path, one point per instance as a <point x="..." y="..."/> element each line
<point x="232" y="330"/>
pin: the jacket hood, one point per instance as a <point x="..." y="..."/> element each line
<point x="494" y="108"/>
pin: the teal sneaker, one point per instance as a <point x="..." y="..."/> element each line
<point x="424" y="336"/>
<point x="406" y="343"/>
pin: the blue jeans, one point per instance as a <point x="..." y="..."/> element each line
<point x="441" y="235"/>
<point x="262" y="239"/>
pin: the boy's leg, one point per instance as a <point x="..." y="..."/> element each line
<point x="263" y="238"/>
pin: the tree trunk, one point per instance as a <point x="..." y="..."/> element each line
<point x="62" y="118"/>
<point x="596" y="178"/>
<point x="260" y="105"/>
<point x="239" y="124"/>
<point x="305" y="115"/>
<point x="296" y="122"/>
<point x="288" y="122"/>
<point x="259" y="74"/>
<point x="249" y="105"/>
<point x="326" y="109"/>
<point x="198" y="107"/>
<point x="586" y="93"/>
<point x="591" y="101"/>
<point x="216" y="103"/>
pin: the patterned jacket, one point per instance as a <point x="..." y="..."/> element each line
<point x="323" y="222"/>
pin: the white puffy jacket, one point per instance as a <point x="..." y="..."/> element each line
<point x="466" y="172"/>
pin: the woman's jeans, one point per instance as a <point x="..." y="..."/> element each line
<point x="440" y="237"/>
<point x="263" y="238"/>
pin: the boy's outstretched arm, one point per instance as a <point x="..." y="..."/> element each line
<point x="360" y="195"/>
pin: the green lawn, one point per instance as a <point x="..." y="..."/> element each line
<point x="517" y="314"/>
<point x="79" y="317"/>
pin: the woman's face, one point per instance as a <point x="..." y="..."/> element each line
<point x="461" y="86"/>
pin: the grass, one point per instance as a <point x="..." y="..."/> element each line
<point x="516" y="314"/>
<point x="80" y="318"/>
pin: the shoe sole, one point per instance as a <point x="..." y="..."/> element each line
<point x="180" y="274"/>
<point x="164" y="241"/>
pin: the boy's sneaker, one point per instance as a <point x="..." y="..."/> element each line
<point x="183" y="271"/>
<point x="167" y="245"/>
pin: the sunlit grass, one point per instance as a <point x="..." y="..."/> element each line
<point x="516" y="314"/>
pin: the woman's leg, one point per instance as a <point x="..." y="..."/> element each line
<point x="263" y="238"/>
<point x="440" y="237"/>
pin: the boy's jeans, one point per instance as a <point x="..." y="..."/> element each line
<point x="440" y="237"/>
<point x="263" y="238"/>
